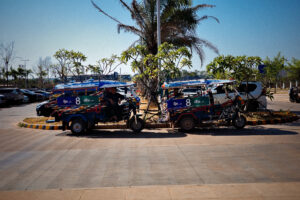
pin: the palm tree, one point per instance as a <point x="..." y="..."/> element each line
<point x="179" y="21"/>
<point x="14" y="74"/>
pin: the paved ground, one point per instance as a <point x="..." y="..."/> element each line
<point x="259" y="162"/>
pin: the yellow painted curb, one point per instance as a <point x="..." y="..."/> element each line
<point x="40" y="126"/>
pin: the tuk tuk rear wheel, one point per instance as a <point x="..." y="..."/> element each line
<point x="77" y="126"/>
<point x="239" y="122"/>
<point x="187" y="123"/>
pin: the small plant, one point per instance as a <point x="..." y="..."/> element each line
<point x="269" y="94"/>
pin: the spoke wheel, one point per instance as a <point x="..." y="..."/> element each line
<point x="187" y="123"/>
<point x="239" y="122"/>
<point x="77" y="126"/>
<point x="136" y="125"/>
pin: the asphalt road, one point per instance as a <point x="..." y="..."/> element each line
<point x="39" y="159"/>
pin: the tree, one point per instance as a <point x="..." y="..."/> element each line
<point x="145" y="64"/>
<point x="294" y="70"/>
<point x="185" y="74"/>
<point x="28" y="72"/>
<point x="68" y="62"/>
<point x="178" y="24"/>
<point x="273" y="68"/>
<point x="77" y="58"/>
<point x="14" y="74"/>
<point x="21" y="72"/>
<point x="239" y="68"/>
<point x="62" y="69"/>
<point x="6" y="55"/>
<point x="42" y="70"/>
<point x="105" y="66"/>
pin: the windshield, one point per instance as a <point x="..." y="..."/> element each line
<point x="194" y="90"/>
<point x="5" y="91"/>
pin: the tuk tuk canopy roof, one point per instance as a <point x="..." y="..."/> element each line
<point x="89" y="85"/>
<point x="194" y="83"/>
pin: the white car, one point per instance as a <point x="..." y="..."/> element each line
<point x="128" y="94"/>
<point x="256" y="95"/>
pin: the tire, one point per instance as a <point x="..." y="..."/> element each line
<point x="292" y="100"/>
<point x="136" y="125"/>
<point x="187" y="123"/>
<point x="239" y="122"/>
<point x="77" y="126"/>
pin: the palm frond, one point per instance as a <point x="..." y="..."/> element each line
<point x="101" y="11"/>
<point x="126" y="6"/>
<point x="137" y="14"/>
<point x="128" y="28"/>
<point x="206" y="43"/>
<point x="202" y="6"/>
<point x="206" y="17"/>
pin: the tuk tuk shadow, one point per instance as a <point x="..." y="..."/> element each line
<point x="258" y="130"/>
<point x="100" y="134"/>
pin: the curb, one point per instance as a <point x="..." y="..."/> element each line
<point x="116" y="126"/>
<point x="272" y="121"/>
<point x="162" y="125"/>
<point x="40" y="126"/>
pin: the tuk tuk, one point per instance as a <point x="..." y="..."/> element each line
<point x="82" y="106"/>
<point x="187" y="112"/>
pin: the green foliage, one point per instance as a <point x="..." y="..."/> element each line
<point x="77" y="58"/>
<point x="69" y="62"/>
<point x="269" y="94"/>
<point x="294" y="70"/>
<point x="105" y="66"/>
<point x="149" y="75"/>
<point x="171" y="59"/>
<point x="239" y="68"/>
<point x="179" y="22"/>
<point x="273" y="68"/>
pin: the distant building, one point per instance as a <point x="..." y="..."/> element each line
<point x="114" y="76"/>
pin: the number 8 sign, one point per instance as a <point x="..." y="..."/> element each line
<point x="77" y="101"/>
<point x="188" y="102"/>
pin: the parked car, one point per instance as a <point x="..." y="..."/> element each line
<point x="45" y="108"/>
<point x="254" y="95"/>
<point x="2" y="100"/>
<point x="26" y="99"/>
<point x="45" y="94"/>
<point x="127" y="92"/>
<point x="12" y="95"/>
<point x="32" y="95"/>
<point x="294" y="94"/>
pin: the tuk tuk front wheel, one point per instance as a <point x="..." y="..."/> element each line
<point x="187" y="123"/>
<point x="77" y="126"/>
<point x="136" y="125"/>
<point x="239" y="122"/>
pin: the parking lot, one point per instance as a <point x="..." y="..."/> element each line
<point x="40" y="160"/>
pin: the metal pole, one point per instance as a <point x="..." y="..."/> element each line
<point x="25" y="60"/>
<point x="158" y="35"/>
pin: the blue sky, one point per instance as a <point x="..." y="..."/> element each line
<point x="247" y="27"/>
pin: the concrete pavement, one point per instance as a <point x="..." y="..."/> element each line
<point x="255" y="163"/>
<point x="249" y="191"/>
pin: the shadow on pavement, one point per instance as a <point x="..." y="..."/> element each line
<point x="258" y="130"/>
<point x="124" y="134"/>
